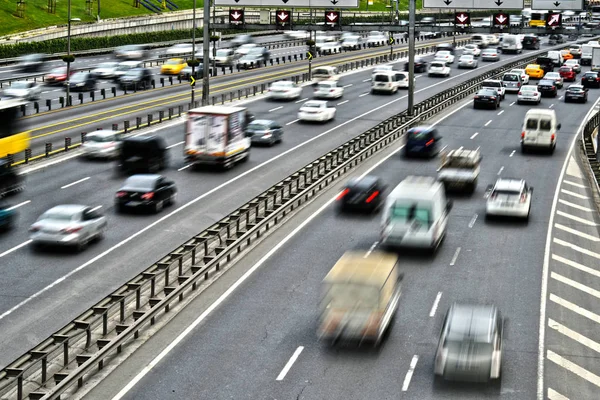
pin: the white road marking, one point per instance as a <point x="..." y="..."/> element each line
<point x="512" y="104"/>
<point x="292" y="122"/>
<point x="500" y="113"/>
<point x="576" y="248"/>
<point x="472" y="222"/>
<point x="576" y="218"/>
<point x="557" y="326"/>
<point x="409" y="374"/>
<point x="577" y="206"/>
<point x="363" y="95"/>
<point x="302" y="100"/>
<point x="574" y="368"/>
<point x="512" y="153"/>
<point x="276" y="108"/>
<point x="7" y="252"/>
<point x="175" y="145"/>
<point x="371" y="249"/>
<point x="501" y="169"/>
<point x="436" y="302"/>
<point x="576" y="265"/>
<point x="487" y="123"/>
<point x="576" y="232"/>
<point x="474" y="135"/>
<point x="554" y="395"/>
<point x="574" y="184"/>
<point x="561" y="97"/>
<point x="575" y="308"/>
<point x="366" y="80"/>
<point x="289" y="364"/>
<point x="19" y="205"/>
<point x="575" y="284"/>
<point x="343" y="102"/>
<point x="455" y="257"/>
<point x="580" y="196"/>
<point x="551" y="105"/>
<point x="348" y="85"/>
<point x="75" y="183"/>
<point x="184" y="167"/>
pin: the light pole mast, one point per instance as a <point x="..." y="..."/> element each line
<point x="193" y="52"/>
<point x="411" y="55"/>
<point x="68" y="80"/>
<point x="205" y="53"/>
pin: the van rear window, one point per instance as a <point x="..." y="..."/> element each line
<point x="412" y="213"/>
<point x="545" y="125"/>
<point x="531" y="124"/>
<point x="381" y="78"/>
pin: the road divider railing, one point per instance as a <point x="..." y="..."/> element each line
<point x="63" y="362"/>
<point x="591" y="152"/>
<point x="51" y="148"/>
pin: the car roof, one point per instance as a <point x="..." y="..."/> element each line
<point x="263" y="121"/>
<point x="470" y="321"/>
<point x="67" y="208"/>
<point x="509" y="184"/>
<point x="143" y="139"/>
<point x="103" y="133"/>
<point x="149" y="177"/>
<point x="365" y="181"/>
<point x="576" y="85"/>
<point x="532" y="87"/>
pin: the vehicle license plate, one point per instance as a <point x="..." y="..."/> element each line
<point x="133" y="203"/>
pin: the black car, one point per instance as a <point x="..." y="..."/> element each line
<point x="576" y="93"/>
<point x="545" y="63"/>
<point x="531" y="42"/>
<point x="362" y="194"/>
<point x="31" y="62"/>
<point x="82" y="81"/>
<point x="590" y="79"/>
<point x="143" y="154"/>
<point x="264" y="131"/>
<point x="7" y="217"/>
<point x="10" y="181"/>
<point x="547" y="88"/>
<point x="137" y="78"/>
<point x="186" y="73"/>
<point x="147" y="191"/>
<point x="256" y="57"/>
<point x="487" y="98"/>
<point x="556" y="39"/>
<point x="422" y="141"/>
<point x="420" y="65"/>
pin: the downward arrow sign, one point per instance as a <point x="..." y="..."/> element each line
<point x="462" y="17"/>
<point x="332" y="17"/>
<point x="334" y="2"/>
<point x="236" y="15"/>
<point x="447" y="2"/>
<point x="237" y="1"/>
<point x="282" y="16"/>
<point x="285" y="1"/>
<point x="556" y="3"/>
<point x="498" y="3"/>
<point x="501" y="19"/>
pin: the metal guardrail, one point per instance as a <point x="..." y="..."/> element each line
<point x="588" y="148"/>
<point x="90" y="341"/>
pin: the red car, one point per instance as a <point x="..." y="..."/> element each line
<point x="567" y="73"/>
<point x="58" y="76"/>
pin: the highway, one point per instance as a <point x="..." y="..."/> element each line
<point x="259" y="342"/>
<point x="36" y="284"/>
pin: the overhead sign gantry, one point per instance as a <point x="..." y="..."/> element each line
<point x="476" y="4"/>
<point x="289" y="3"/>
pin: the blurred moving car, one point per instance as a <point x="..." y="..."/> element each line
<point x="470" y="346"/>
<point x="568" y="74"/>
<point x="591" y="79"/>
<point x="198" y="72"/>
<point x="132" y="52"/>
<point x="547" y="88"/>
<point x="299" y="34"/>
<point x="148" y="191"/>
<point x="534" y="71"/>
<point x="101" y="144"/>
<point x="325" y="73"/>
<point x="82" y="81"/>
<point x="509" y="198"/>
<point x="352" y="43"/>
<point x="577" y="93"/>
<point x="137" y="78"/>
<point x="331" y="48"/>
<point x="486" y="98"/>
<point x="566" y="55"/>
<point x="226" y="58"/>
<point x="180" y="49"/>
<point x="376" y="38"/>
<point x="328" y="90"/>
<point x="68" y="225"/>
<point x="385" y="81"/>
<point x="10" y="181"/>
<point x="576" y="50"/>
<point x="444" y="56"/>
<point x="490" y="55"/>
<point x="173" y="66"/>
<point x="58" y="75"/>
<point x="496" y="85"/>
<point x="459" y="169"/>
<point x="264" y="131"/>
<point x="27" y="90"/>
<point x="522" y="73"/>
<point x="531" y="42"/>
<point x="467" y="61"/>
<point x="529" y="94"/>
<point x="244" y="49"/>
<point x="241" y="40"/>
<point x="438" y="68"/>
<point x="143" y="154"/>
<point x="359" y="298"/>
<point x="105" y="70"/>
<point x="284" y="90"/>
<point x="366" y="194"/>
<point x="573" y="64"/>
<point x="422" y="141"/>
<point x="556" y="78"/>
<point x="472" y="49"/>
<point x="7" y="217"/>
<point x="125" y="66"/>
<point x="31" y="62"/>
<point x="316" y="110"/>
<point x="420" y="65"/>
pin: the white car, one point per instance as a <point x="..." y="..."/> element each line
<point x="509" y="198"/>
<point x="352" y="43"/>
<point x="23" y="89"/>
<point x="573" y="64"/>
<point x="445" y="56"/>
<point x="490" y="55"/>
<point x="316" y="110"/>
<point x="472" y="49"/>
<point x="402" y="79"/>
<point x="556" y="78"/>
<point x="438" y="68"/>
<point x="297" y="34"/>
<point x="101" y="144"/>
<point x="331" y="48"/>
<point x="179" y="49"/>
<point x="529" y="94"/>
<point x="284" y="90"/>
<point x="245" y="48"/>
<point x="467" y="61"/>
<point x="493" y="39"/>
<point x="105" y="70"/>
<point x="496" y="85"/>
<point x="376" y="39"/>
<point x="524" y="76"/>
<point x="328" y="90"/>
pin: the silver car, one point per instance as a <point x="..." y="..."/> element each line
<point x="101" y="144"/>
<point x="470" y="346"/>
<point x="512" y="82"/>
<point x="23" y="89"/>
<point x="68" y="225"/>
<point x="467" y="61"/>
<point x="556" y="78"/>
<point x="105" y="70"/>
<point x="490" y="55"/>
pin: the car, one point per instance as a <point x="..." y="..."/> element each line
<point x="576" y="93"/>
<point x="420" y="65"/>
<point x="331" y="48"/>
<point x="422" y="141"/>
<point x="512" y="82"/>
<point x="68" y="225"/>
<point x="438" y="68"/>
<point x="8" y="215"/>
<point x="531" y="42"/>
<point x="591" y="79"/>
<point x="328" y="90"/>
<point x="173" y="66"/>
<point x="402" y="80"/>
<point x="132" y="52"/>
<point x="470" y="347"/>
<point x="82" y="81"/>
<point x="472" y="49"/>
<point x="573" y="64"/>
<point x="245" y="48"/>
<point x="382" y="68"/>
<point x="105" y="70"/>
<point x="445" y="56"/>
<point x="102" y="143"/>
<point x="509" y="197"/>
<point x="366" y="194"/>
<point x="147" y="191"/>
<point x="197" y="72"/>
<point x="556" y="78"/>
<point x="300" y="34"/>
<point x="496" y="85"/>
<point x="567" y="74"/>
<point x="386" y="81"/>
<point x="493" y="39"/>
<point x="352" y="43"/>
<point x="140" y="154"/>
<point x="256" y="57"/>
<point x="376" y="39"/>
<point x="284" y="90"/>
<point x="180" y="49"/>
<point x="31" y="62"/>
<point x="316" y="110"/>
<point x="137" y="78"/>
<point x="467" y="61"/>
<point x="11" y="182"/>
<point x="27" y="90"/>
<point x="241" y="40"/>
<point x="490" y="55"/>
<point x="124" y="67"/>
<point x="264" y="131"/>
<point x="226" y="58"/>
<point x="556" y="39"/>
<point x="575" y="50"/>
<point x="486" y="98"/>
<point x="480" y="40"/>
<point x="524" y="76"/>
<point x="566" y="54"/>
<point x="547" y="88"/>
<point x="58" y="76"/>
<point x="529" y="94"/>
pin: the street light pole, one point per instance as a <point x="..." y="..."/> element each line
<point x="411" y="55"/>
<point x="68" y="51"/>
<point x="193" y="52"/>
<point x="205" y="53"/>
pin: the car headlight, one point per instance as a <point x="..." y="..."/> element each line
<point x="80" y="84"/>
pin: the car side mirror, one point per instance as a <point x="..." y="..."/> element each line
<point x="558" y="126"/>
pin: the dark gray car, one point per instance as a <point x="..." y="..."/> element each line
<point x="264" y="131"/>
<point x="470" y="346"/>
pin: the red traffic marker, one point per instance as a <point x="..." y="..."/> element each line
<point x="462" y="18"/>
<point x="332" y="17"/>
<point x="236" y="16"/>
<point x="283" y="17"/>
<point x="501" y="19"/>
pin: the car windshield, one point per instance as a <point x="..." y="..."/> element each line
<point x="327" y="85"/>
<point x="125" y="67"/>
<point x="282" y="85"/>
<point x="510" y="78"/>
<point x="437" y="65"/>
<point x="21" y="85"/>
<point x="504" y="195"/>
<point x="381" y="78"/>
<point x="518" y="71"/>
<point x="443" y="53"/>
<point x="352" y="296"/>
<point x="255" y="50"/>
<point x="591" y="74"/>
<point x="571" y="62"/>
<point x="471" y="47"/>
<point x="575" y="89"/>
<point x="174" y="61"/>
<point x="141" y="183"/>
<point x="529" y="89"/>
<point x="489" y="51"/>
<point x="487" y="92"/>
<point x="321" y="71"/>
<point x="546" y="83"/>
<point x="491" y="84"/>
<point x="565" y="69"/>
<point x="552" y="75"/>
<point x="57" y="216"/>
<point x="419" y="213"/>
<point x="100" y="138"/>
<point x="257" y="127"/>
<point x="466" y="58"/>
<point x="79" y="77"/>
<point x="133" y="72"/>
<point x="108" y="65"/>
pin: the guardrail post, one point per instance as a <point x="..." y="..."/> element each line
<point x="138" y="122"/>
<point x="49" y="104"/>
<point x="161" y="115"/>
<point x="170" y="112"/>
<point x="180" y="109"/>
<point x="153" y="83"/>
<point x="83" y="137"/>
<point x="115" y="127"/>
<point x="114" y="91"/>
<point x="67" y="143"/>
<point x="162" y="82"/>
<point x="103" y="93"/>
<point x="222" y="98"/>
<point x="124" y="89"/>
<point x="80" y="95"/>
<point x="69" y="100"/>
<point x="126" y="126"/>
<point x="48" y="149"/>
<point x="36" y="106"/>
<point x="171" y="80"/>
<point x="149" y="119"/>
<point x="61" y="100"/>
<point x="27" y="155"/>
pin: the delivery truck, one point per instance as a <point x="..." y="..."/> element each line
<point x="596" y="59"/>
<point x="215" y="135"/>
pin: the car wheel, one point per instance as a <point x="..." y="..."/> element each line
<point x="158" y="206"/>
<point x="519" y="102"/>
<point x="80" y="246"/>
<point x="99" y="235"/>
<point x="172" y="198"/>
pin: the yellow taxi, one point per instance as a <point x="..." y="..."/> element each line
<point x="566" y="54"/>
<point x="534" y="71"/>
<point x="173" y="66"/>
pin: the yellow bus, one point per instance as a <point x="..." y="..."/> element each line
<point x="13" y="138"/>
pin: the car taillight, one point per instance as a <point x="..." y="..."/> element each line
<point x="552" y="136"/>
<point x="535" y="93"/>
<point x="523" y="198"/>
<point x="518" y="85"/>
<point x="429" y="143"/>
<point x="493" y="97"/>
<point x="74" y="229"/>
<point x="522" y="134"/>
<point x="331" y="90"/>
<point x="553" y="87"/>
<point x="121" y="194"/>
<point x="476" y="97"/>
<point x="520" y="93"/>
<point x="343" y="194"/>
<point x="34" y="229"/>
<point x="148" y="196"/>
<point x="372" y="196"/>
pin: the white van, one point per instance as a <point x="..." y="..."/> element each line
<point x="385" y="81"/>
<point x="586" y="54"/>
<point x="540" y="129"/>
<point x="480" y="40"/>
<point x="415" y="214"/>
<point x="512" y="44"/>
<point x="325" y="73"/>
<point x="556" y="58"/>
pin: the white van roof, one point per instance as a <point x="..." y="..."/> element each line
<point x="417" y="188"/>
<point x="220" y="110"/>
<point x="541" y="112"/>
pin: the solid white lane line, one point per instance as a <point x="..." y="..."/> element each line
<point x="579" y="196"/>
<point x="557" y="326"/>
<point x="7" y="252"/>
<point x="276" y="108"/>
<point x="175" y="145"/>
<point x="512" y="153"/>
<point x="576" y="265"/>
<point x="184" y="167"/>
<point x="554" y="395"/>
<point x="575" y="308"/>
<point x="472" y="222"/>
<point x="487" y="123"/>
<point x="455" y="257"/>
<point x="289" y="364"/>
<point x="409" y="374"/>
<point x="576" y="218"/>
<point x="436" y="302"/>
<point x="513" y="103"/>
<point x="574" y="184"/>
<point x="364" y="94"/>
<point x="574" y="368"/>
<point x="575" y="284"/>
<point x="368" y="253"/>
<point x="343" y="102"/>
<point x="576" y="232"/>
<point x="501" y="169"/>
<point x="292" y="122"/>
<point x="577" y="206"/>
<point x="500" y="113"/>
<point x="576" y="248"/>
<point x="474" y="135"/>
<point x="348" y="85"/>
<point x="75" y="183"/>
<point x="301" y="100"/>
<point x="19" y="205"/>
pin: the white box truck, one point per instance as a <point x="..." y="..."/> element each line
<point x="586" y="54"/>
<point x="215" y="135"/>
<point x="596" y="59"/>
